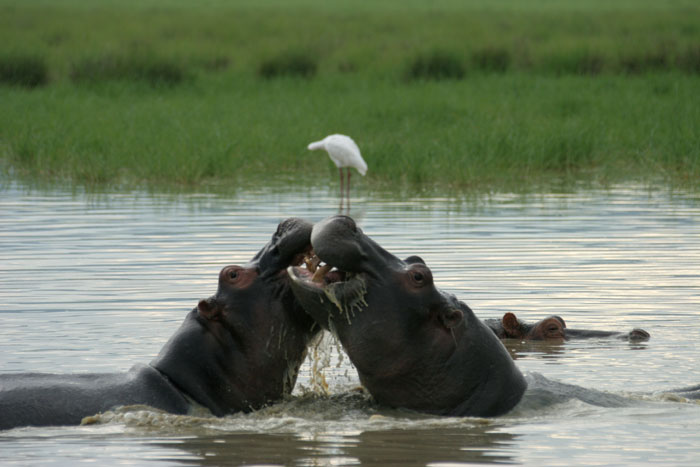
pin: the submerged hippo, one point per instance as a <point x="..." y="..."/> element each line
<point x="413" y="345"/>
<point x="236" y="351"/>
<point x="553" y="328"/>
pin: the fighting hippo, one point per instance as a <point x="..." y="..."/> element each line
<point x="236" y="351"/>
<point x="553" y="328"/>
<point x="413" y="345"/>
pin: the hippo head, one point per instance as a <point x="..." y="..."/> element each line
<point x="242" y="347"/>
<point x="553" y="328"/>
<point x="413" y="345"/>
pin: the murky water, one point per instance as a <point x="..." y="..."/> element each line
<point x="97" y="283"/>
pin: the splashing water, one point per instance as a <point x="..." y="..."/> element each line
<point x="353" y="293"/>
<point x="327" y="370"/>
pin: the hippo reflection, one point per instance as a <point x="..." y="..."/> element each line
<point x="236" y="351"/>
<point x="413" y="345"/>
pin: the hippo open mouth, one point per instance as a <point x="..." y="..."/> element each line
<point x="325" y="282"/>
<point x="317" y="272"/>
<point x="338" y="268"/>
<point x="339" y="251"/>
<point x="346" y="290"/>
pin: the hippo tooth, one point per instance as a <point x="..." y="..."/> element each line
<point x="320" y="272"/>
<point x="312" y="261"/>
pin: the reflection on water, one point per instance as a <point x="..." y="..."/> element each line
<point x="537" y="349"/>
<point x="99" y="283"/>
<point x="554" y="350"/>
<point x="473" y="444"/>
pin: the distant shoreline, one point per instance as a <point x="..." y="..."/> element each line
<point x="465" y="97"/>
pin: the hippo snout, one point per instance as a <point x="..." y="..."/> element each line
<point x="333" y="229"/>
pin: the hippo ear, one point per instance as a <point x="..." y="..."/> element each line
<point x="208" y="309"/>
<point x="413" y="260"/>
<point x="451" y="317"/>
<point x="511" y="325"/>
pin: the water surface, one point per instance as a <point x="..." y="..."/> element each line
<point x="95" y="283"/>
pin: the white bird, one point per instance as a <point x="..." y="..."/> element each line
<point x="344" y="153"/>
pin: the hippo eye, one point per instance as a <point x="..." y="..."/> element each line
<point x="419" y="275"/>
<point x="233" y="274"/>
<point x="419" y="278"/>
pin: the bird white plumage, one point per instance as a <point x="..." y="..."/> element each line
<point x="343" y="151"/>
<point x="345" y="154"/>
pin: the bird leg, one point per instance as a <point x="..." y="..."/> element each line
<point x="340" y="208"/>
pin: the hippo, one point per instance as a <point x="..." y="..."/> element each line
<point x="553" y="328"/>
<point x="235" y="351"/>
<point x="413" y="345"/>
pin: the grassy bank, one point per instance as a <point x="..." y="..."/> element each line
<point x="496" y="131"/>
<point x="467" y="95"/>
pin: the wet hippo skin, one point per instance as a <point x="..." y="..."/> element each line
<point x="414" y="346"/>
<point x="236" y="351"/>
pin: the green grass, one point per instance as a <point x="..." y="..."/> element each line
<point x="475" y="95"/>
<point x="132" y="67"/>
<point x="288" y="64"/>
<point x="490" y="131"/>
<point x="436" y="65"/>
<point x="23" y="70"/>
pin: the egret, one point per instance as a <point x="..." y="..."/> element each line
<point x="344" y="153"/>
